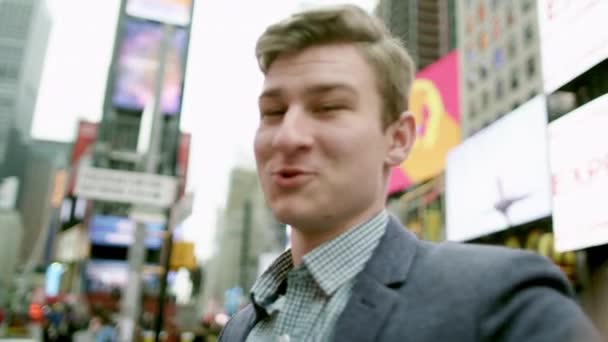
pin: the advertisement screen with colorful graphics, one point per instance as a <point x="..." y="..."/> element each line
<point x="499" y="178"/>
<point x="434" y="102"/>
<point x="578" y="151"/>
<point x="572" y="38"/>
<point x="105" y="276"/>
<point x="107" y="230"/>
<point x="175" y="12"/>
<point x="138" y="62"/>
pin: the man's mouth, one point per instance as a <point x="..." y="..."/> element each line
<point x="291" y="177"/>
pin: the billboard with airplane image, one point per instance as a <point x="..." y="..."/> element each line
<point x="499" y="177"/>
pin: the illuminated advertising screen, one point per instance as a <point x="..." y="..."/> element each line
<point x="572" y="38"/>
<point x="579" y="164"/>
<point x="107" y="230"/>
<point x="104" y="276"/>
<point x="138" y="62"/>
<point x="499" y="177"/>
<point x="176" y="12"/>
<point x="434" y="102"/>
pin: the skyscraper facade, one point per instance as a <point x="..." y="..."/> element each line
<point x="426" y="27"/>
<point x="500" y="64"/>
<point x="15" y="19"/>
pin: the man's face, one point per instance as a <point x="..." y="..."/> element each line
<point x="320" y="148"/>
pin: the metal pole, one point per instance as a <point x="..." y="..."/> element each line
<point x="130" y="308"/>
<point x="158" y="324"/>
<point x="245" y="246"/>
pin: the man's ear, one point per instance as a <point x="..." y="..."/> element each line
<point x="401" y="136"/>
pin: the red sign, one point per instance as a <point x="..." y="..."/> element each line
<point x="183" y="157"/>
<point x="85" y="139"/>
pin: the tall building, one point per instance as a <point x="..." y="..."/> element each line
<point x="24" y="30"/>
<point x="500" y="59"/>
<point x="11" y="229"/>
<point x="247" y="230"/>
<point x="44" y="160"/>
<point x="426" y="27"/>
<point x="31" y="68"/>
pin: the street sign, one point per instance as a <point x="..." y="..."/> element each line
<point x="142" y="213"/>
<point x="125" y="186"/>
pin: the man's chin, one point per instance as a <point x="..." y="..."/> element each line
<point x="293" y="215"/>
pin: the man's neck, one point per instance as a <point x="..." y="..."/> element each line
<point x="304" y="241"/>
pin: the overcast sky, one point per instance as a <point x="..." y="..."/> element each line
<point x="221" y="87"/>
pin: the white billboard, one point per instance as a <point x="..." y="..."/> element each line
<point x="499" y="177"/>
<point x="573" y="38"/>
<point x="125" y="187"/>
<point x="579" y="164"/>
<point x="175" y="12"/>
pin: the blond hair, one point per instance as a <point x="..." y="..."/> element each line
<point x="393" y="66"/>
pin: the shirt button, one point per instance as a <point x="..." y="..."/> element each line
<point x="284" y="338"/>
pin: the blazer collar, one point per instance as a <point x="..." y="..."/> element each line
<point x="373" y="298"/>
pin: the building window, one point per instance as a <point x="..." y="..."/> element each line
<point x="512" y="49"/>
<point x="485" y="100"/>
<point x="499" y="58"/>
<point x="510" y="16"/>
<point x="483" y="72"/>
<point x="500" y="89"/>
<point x="483" y="40"/>
<point x="514" y="80"/>
<point x="472" y="110"/>
<point x="528" y="34"/>
<point x="6" y="102"/>
<point x="531" y="67"/>
<point x="8" y="72"/>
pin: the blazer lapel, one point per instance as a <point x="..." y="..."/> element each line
<point x="372" y="298"/>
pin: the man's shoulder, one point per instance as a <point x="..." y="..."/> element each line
<point x="484" y="269"/>
<point x="475" y="257"/>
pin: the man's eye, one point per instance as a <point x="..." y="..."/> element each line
<point x="274" y="112"/>
<point x="331" y="107"/>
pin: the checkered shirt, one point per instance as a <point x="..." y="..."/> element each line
<point x="304" y="303"/>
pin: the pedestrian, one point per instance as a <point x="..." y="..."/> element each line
<point x="333" y="122"/>
<point x="103" y="328"/>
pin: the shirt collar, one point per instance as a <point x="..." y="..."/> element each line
<point x="331" y="264"/>
<point x="267" y="288"/>
<point x="339" y="260"/>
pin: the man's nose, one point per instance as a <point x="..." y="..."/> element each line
<point x="294" y="132"/>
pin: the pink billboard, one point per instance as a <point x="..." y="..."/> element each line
<point x="434" y="102"/>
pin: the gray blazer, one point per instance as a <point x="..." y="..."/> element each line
<point x="413" y="290"/>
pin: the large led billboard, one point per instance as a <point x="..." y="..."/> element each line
<point x="499" y="177"/>
<point x="434" y="102"/>
<point x="138" y="61"/>
<point x="572" y="38"/>
<point x="108" y="230"/>
<point x="579" y="163"/>
<point x="105" y="276"/>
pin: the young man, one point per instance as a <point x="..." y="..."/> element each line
<point x="333" y="122"/>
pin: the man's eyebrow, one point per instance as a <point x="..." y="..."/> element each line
<point x="270" y="93"/>
<point x="317" y="89"/>
<point x="329" y="87"/>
